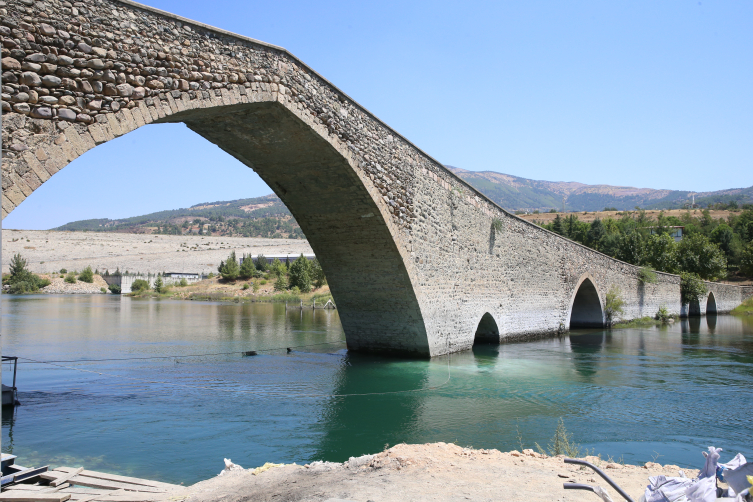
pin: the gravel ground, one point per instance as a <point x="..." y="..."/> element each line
<point x="49" y="251"/>
<point x="438" y="471"/>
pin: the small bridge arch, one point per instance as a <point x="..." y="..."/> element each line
<point x="711" y="304"/>
<point x="585" y="310"/>
<point x="487" y="330"/>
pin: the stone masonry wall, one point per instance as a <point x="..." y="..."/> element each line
<point x="415" y="256"/>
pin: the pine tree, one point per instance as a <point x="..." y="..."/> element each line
<point x="596" y="232"/>
<point x="159" y="285"/>
<point x="300" y="274"/>
<point x="261" y="263"/>
<point x="18" y="270"/>
<point x="229" y="269"/>
<point x="248" y="268"/>
<point x="557" y="226"/>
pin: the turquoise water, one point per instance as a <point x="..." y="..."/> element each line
<point x="638" y="395"/>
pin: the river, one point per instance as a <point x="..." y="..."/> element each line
<point x="161" y="389"/>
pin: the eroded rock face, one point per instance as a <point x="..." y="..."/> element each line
<point x="415" y="256"/>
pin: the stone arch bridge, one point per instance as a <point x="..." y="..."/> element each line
<point x="419" y="262"/>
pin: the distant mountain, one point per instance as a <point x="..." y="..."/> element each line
<point x="268" y="217"/>
<point x="515" y="193"/>
<point x="258" y="217"/>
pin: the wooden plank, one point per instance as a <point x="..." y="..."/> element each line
<point x="113" y="485"/>
<point x="57" y="488"/>
<point x="66" y="477"/>
<point x="21" y="496"/>
<point x="127" y="497"/>
<point x="30" y="473"/>
<point x="121" y="479"/>
<point x="75" y="490"/>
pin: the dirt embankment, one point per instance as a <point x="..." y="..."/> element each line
<point x="436" y="472"/>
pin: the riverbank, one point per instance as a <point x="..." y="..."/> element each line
<point x="251" y="290"/>
<point x="435" y="471"/>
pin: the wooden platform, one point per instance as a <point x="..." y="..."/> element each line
<point x="81" y="485"/>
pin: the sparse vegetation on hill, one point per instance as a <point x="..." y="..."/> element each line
<point x="515" y="193"/>
<point x="257" y="217"/>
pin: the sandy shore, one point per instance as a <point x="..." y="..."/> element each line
<point x="438" y="471"/>
<point x="49" y="251"/>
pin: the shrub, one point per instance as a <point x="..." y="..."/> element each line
<point x="21" y="287"/>
<point x="114" y="289"/>
<point x="692" y="288"/>
<point x="104" y="290"/>
<point x="663" y="315"/>
<point x="245" y="286"/>
<point x="70" y="278"/>
<point x="256" y="286"/>
<point x="561" y="443"/>
<point x="63" y="271"/>
<point x="300" y="274"/>
<point x="139" y="285"/>
<point x="263" y="282"/>
<point x="211" y="275"/>
<point x="295" y="290"/>
<point x="86" y="275"/>
<point x="647" y="276"/>
<point x="281" y="284"/>
<point x="613" y="304"/>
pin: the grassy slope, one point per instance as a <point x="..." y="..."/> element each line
<point x="745" y="308"/>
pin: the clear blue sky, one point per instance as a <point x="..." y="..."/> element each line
<point x="639" y="93"/>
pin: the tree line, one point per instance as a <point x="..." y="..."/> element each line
<point x="711" y="249"/>
<point x="301" y="275"/>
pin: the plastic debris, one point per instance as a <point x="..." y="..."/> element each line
<point x="230" y="466"/>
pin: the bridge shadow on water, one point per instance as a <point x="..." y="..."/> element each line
<point x="585" y="348"/>
<point x="378" y="412"/>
